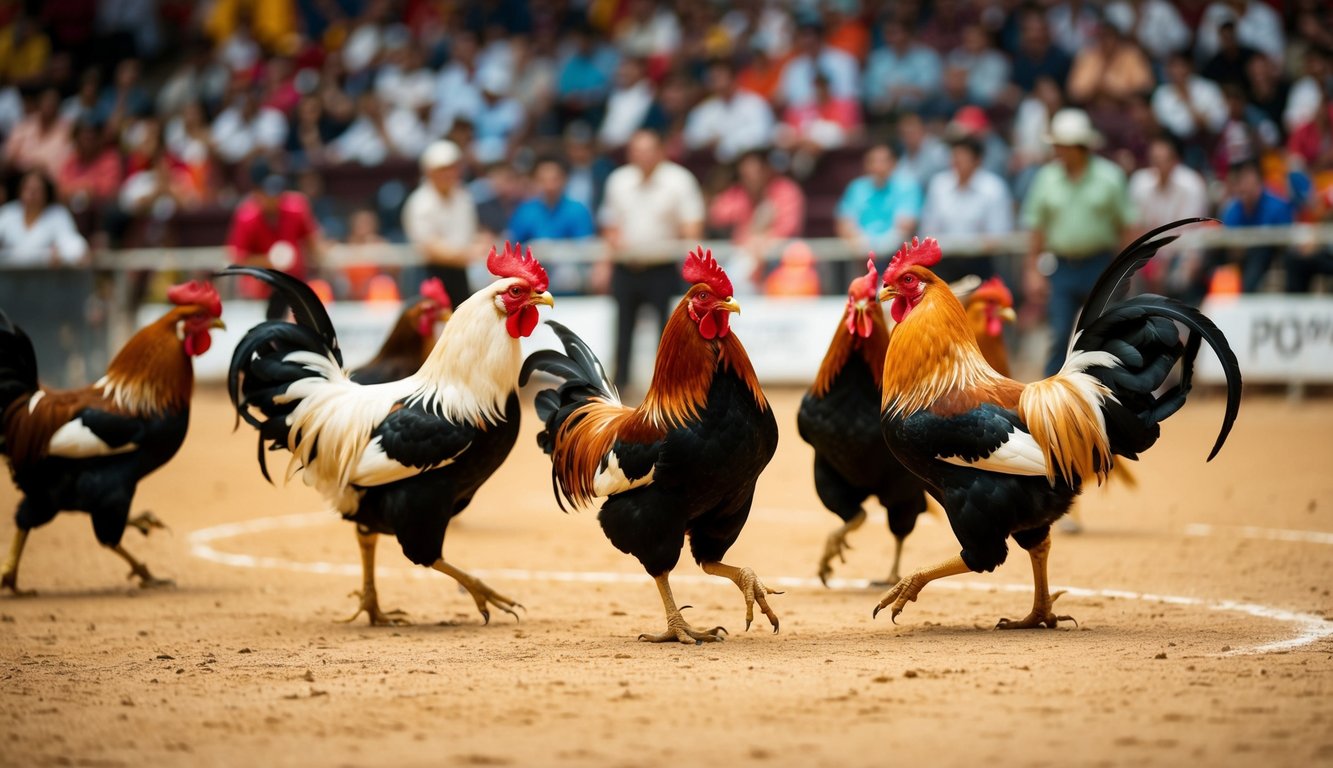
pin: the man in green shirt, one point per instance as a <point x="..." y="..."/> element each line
<point x="1078" y="213"/>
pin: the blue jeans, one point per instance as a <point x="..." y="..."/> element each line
<point x="1070" y="286"/>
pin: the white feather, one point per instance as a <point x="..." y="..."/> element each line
<point x="35" y="399"/>
<point x="375" y="467"/>
<point x="611" y="479"/>
<point x="74" y="440"/>
<point x="1019" y="454"/>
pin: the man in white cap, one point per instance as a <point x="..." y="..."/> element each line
<point x="440" y="218"/>
<point x="1078" y="213"/>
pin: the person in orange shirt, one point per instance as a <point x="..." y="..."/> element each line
<point x="761" y="73"/>
<point x="1114" y="67"/>
<point x="93" y="173"/>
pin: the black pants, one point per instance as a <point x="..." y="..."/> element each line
<point x="454" y="279"/>
<point x="633" y="287"/>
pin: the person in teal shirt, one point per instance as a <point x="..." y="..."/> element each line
<point x="879" y="210"/>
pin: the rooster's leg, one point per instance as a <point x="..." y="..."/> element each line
<point x="145" y="522"/>
<point x="677" y="630"/>
<point x="906" y="590"/>
<point x="1042" y="599"/>
<point x="751" y="587"/>
<point x="484" y="595"/>
<point x="140" y="571"/>
<point x="893" y="578"/>
<point x="837" y="544"/>
<point x="370" y="604"/>
<point x="9" y="578"/>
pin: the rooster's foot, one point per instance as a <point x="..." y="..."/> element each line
<point x="10" y="582"/>
<point x="836" y="546"/>
<point x="145" y="522"/>
<point x="752" y="589"/>
<point x="678" y="631"/>
<point x="370" y="605"/>
<point x="485" y="596"/>
<point x="906" y="590"/>
<point x="1041" y="616"/>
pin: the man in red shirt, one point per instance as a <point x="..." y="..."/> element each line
<point x="275" y="228"/>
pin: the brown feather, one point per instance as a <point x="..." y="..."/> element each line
<point x="871" y="349"/>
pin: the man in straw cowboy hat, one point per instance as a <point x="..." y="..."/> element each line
<point x="1079" y="213"/>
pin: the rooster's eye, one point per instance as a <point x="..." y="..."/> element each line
<point x="908" y="280"/>
<point x="703" y="296"/>
<point x="514" y="290"/>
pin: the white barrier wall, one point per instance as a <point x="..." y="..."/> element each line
<point x="1276" y="338"/>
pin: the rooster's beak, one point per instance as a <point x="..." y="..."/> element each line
<point x="730" y="305"/>
<point x="544" y="298"/>
<point x="217" y="323"/>
<point x="1008" y="314"/>
<point x="889" y="292"/>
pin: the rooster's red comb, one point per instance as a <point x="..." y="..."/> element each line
<point x="994" y="290"/>
<point x="867" y="285"/>
<point x="701" y="267"/>
<point x="924" y="253"/>
<point x="196" y="293"/>
<point x="515" y="263"/>
<point x="433" y="290"/>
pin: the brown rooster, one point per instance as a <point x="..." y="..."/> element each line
<point x="412" y="338"/>
<point x="87" y="449"/>
<point x="684" y="462"/>
<point x="989" y="307"/>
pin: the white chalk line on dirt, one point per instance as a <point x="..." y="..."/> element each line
<point x="1257" y="532"/>
<point x="1310" y="628"/>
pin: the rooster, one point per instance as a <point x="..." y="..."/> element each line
<point x="412" y="338"/>
<point x="87" y="449"/>
<point x="1007" y="459"/>
<point x="839" y="418"/>
<point x="684" y="462"/>
<point x="405" y="456"/>
<point x="989" y="307"/>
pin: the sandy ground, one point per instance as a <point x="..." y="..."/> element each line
<point x="244" y="662"/>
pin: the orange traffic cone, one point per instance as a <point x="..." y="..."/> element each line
<point x="382" y="288"/>
<point x="1225" y="281"/>
<point x="323" y="290"/>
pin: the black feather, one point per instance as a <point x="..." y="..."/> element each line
<point x="18" y="364"/>
<point x="306" y="307"/>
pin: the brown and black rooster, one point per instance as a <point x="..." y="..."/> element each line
<point x="685" y="462"/>
<point x="85" y="450"/>
<point x="412" y="337"/>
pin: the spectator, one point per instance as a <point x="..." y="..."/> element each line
<point x="274" y="228"/>
<point x="1313" y="142"/>
<point x="91" y="175"/>
<point x="123" y="99"/>
<point x="584" y="79"/>
<point x="551" y="214"/>
<point x="628" y="105"/>
<point x="1245" y="135"/>
<point x="1268" y="89"/>
<point x="404" y="80"/>
<point x="499" y="122"/>
<point x="951" y="97"/>
<point x="1192" y="108"/>
<point x="670" y="112"/>
<point x="1078" y="214"/>
<point x="312" y="132"/>
<point x="1163" y="192"/>
<point x="199" y="78"/>
<point x="987" y="68"/>
<point x="440" y="219"/>
<point x="1230" y="63"/>
<point x="730" y="121"/>
<point x="846" y="29"/>
<point x="759" y="211"/>
<point x="35" y="230"/>
<point x="1036" y="57"/>
<point x="922" y="153"/>
<point x="827" y="123"/>
<point x="762" y="73"/>
<point x="364" y="232"/>
<point x="971" y="122"/>
<point x="587" y="169"/>
<point x="244" y="129"/>
<point x="813" y="57"/>
<point x="497" y="194"/>
<point x="879" y="210"/>
<point x="1113" y="68"/>
<point x="1311" y="259"/>
<point x="651" y="205"/>
<point x="1307" y="93"/>
<point x="41" y="141"/>
<point x="1251" y="205"/>
<point x="187" y="139"/>
<point x="25" y="51"/>
<point x="1073" y="25"/>
<point x="650" y="32"/>
<point x="1031" y="123"/>
<point x="534" y="84"/>
<point x="1257" y="26"/>
<point x="333" y="222"/>
<point x="160" y="190"/>
<point x="457" y="94"/>
<point x="901" y="74"/>
<point x="967" y="199"/>
<point x="81" y="105"/>
<point x="375" y="136"/>
<point x="1153" y="24"/>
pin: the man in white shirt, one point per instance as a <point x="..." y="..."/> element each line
<point x="796" y="88"/>
<point x="440" y="219"/>
<point x="1189" y="106"/>
<point x="627" y="106"/>
<point x="378" y="132"/>
<point x="967" y="199"/>
<point x="245" y="128"/>
<point x="650" y="205"/>
<point x="731" y="121"/>
<point x="1166" y="191"/>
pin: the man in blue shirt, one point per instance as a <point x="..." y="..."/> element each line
<point x="1253" y="206"/>
<point x="551" y="215"/>
<point x="879" y="210"/>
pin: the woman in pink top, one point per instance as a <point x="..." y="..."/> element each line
<point x="760" y="211"/>
<point x="828" y="122"/>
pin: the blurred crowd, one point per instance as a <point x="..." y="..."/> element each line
<point x="167" y="122"/>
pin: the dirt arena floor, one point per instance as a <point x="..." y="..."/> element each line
<point x="1205" y="630"/>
